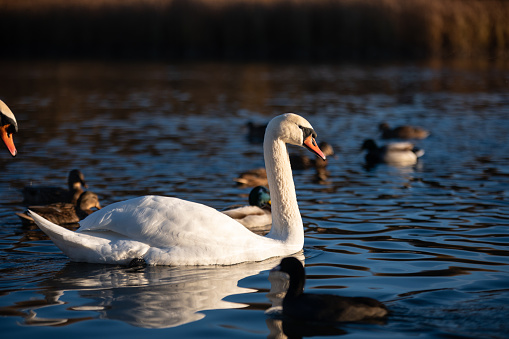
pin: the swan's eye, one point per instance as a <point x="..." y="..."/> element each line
<point x="306" y="131"/>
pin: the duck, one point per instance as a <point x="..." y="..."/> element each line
<point x="256" y="216"/>
<point x="8" y="127"/>
<point x="326" y="308"/>
<point x="159" y="230"/>
<point x="396" y="153"/>
<point x="44" y="195"/>
<point x="258" y="176"/>
<point x="403" y="132"/>
<point x="253" y="177"/>
<point x="65" y="213"/>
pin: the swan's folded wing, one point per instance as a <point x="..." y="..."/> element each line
<point x="166" y="222"/>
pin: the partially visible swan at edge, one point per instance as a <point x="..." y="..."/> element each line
<point x="171" y="231"/>
<point x="8" y="127"/>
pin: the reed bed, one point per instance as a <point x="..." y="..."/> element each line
<point x="255" y="29"/>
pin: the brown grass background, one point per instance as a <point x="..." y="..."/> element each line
<point x="255" y="29"/>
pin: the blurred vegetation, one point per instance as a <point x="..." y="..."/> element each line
<point x="255" y="29"/>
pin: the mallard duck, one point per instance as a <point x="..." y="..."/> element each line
<point x="8" y="127"/>
<point x="42" y="195"/>
<point x="256" y="216"/>
<point x="170" y="231"/>
<point x="65" y="213"/>
<point x="324" y="307"/>
<point x="402" y="132"/>
<point x="395" y="153"/>
<point x="258" y="176"/>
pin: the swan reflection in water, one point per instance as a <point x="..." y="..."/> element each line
<point x="152" y="297"/>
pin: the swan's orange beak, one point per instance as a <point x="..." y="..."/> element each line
<point x="7" y="139"/>
<point x="311" y="144"/>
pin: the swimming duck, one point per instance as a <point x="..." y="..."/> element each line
<point x="8" y="127"/>
<point x="258" y="176"/>
<point x="65" y="213"/>
<point x="323" y="307"/>
<point x="170" y="231"/>
<point x="402" y="132"/>
<point x="43" y="195"/>
<point x="256" y="216"/>
<point x="396" y="153"/>
<point x="254" y="177"/>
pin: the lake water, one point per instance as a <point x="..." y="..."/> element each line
<point x="430" y="240"/>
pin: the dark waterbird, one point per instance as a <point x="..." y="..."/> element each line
<point x="324" y="307"/>
<point x="44" y="195"/>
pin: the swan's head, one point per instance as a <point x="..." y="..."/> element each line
<point x="8" y="126"/>
<point x="294" y="129"/>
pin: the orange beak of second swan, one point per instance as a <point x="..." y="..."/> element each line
<point x="7" y="139"/>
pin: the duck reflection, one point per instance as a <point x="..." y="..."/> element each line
<point x="152" y="297"/>
<point x="282" y="327"/>
<point x="307" y="314"/>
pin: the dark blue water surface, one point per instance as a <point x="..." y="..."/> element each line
<point x="430" y="240"/>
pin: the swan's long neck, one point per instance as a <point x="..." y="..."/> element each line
<point x="286" y="219"/>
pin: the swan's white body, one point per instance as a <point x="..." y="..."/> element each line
<point x="171" y="231"/>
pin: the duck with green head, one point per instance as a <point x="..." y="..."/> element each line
<point x="256" y="216"/>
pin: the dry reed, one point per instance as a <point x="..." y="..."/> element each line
<point x="255" y="29"/>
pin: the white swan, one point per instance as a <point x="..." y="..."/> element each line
<point x="8" y="126"/>
<point x="171" y="231"/>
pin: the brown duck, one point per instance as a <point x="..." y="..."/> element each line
<point x="402" y="132"/>
<point x="65" y="213"/>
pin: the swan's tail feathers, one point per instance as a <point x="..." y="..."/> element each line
<point x="83" y="247"/>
